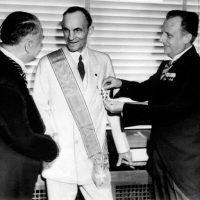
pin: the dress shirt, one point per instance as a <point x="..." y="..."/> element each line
<point x="176" y="57"/>
<point x="171" y="62"/>
<point x="75" y="56"/>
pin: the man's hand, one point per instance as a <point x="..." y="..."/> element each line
<point x="114" y="106"/>
<point x="111" y="82"/>
<point x="125" y="158"/>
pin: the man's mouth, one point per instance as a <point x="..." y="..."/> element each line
<point x="73" y="43"/>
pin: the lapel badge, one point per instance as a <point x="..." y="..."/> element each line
<point x="169" y="76"/>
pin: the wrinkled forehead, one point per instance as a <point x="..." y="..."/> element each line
<point x="74" y="20"/>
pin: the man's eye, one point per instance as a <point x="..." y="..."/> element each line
<point x="65" y="29"/>
<point x="78" y="30"/>
<point x="169" y="36"/>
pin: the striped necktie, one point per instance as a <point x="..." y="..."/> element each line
<point x="81" y="67"/>
<point x="166" y="68"/>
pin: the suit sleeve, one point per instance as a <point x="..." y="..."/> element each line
<point x="119" y="137"/>
<point x="138" y="91"/>
<point x="16" y="130"/>
<point x="183" y="103"/>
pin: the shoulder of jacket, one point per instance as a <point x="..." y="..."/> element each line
<point x="7" y="78"/>
<point x="9" y="83"/>
<point x="98" y="53"/>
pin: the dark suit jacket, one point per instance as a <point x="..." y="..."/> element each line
<point x="23" y="145"/>
<point x="174" y="113"/>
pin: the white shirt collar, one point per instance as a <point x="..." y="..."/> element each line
<point x="180" y="54"/>
<point x="75" y="55"/>
<point x="13" y="57"/>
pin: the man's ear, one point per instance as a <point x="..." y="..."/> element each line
<point x="91" y="30"/>
<point x="28" y="45"/>
<point x="187" y="38"/>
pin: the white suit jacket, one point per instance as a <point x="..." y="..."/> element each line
<point x="72" y="165"/>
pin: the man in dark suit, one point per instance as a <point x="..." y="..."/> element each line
<point x="173" y="110"/>
<point x="23" y="145"/>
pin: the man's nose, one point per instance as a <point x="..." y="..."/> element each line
<point x="71" y="35"/>
<point x="162" y="38"/>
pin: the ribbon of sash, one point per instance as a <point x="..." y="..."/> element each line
<point x="75" y="101"/>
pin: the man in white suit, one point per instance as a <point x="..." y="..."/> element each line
<point x="60" y="92"/>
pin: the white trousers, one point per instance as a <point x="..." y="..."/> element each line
<point x="65" y="191"/>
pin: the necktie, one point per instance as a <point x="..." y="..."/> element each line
<point x="81" y="67"/>
<point x="168" y="65"/>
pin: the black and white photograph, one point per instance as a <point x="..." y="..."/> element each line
<point x="99" y="100"/>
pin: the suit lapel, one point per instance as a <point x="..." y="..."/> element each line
<point x="183" y="61"/>
<point x="92" y="68"/>
<point x="180" y="67"/>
